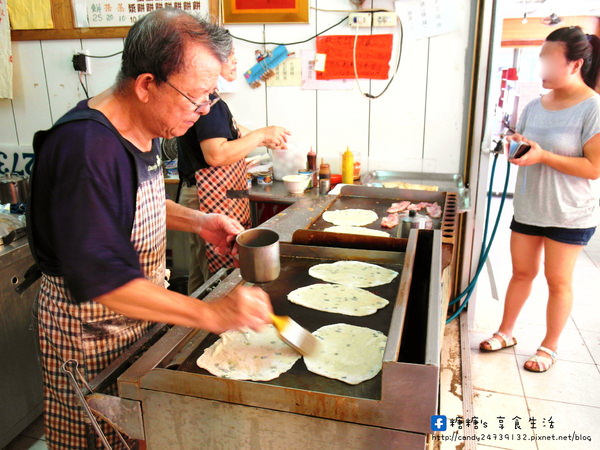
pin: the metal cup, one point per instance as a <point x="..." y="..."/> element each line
<point x="259" y="255"/>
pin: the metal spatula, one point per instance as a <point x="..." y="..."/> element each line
<point x="294" y="335"/>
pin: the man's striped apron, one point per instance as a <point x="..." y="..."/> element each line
<point x="89" y="332"/>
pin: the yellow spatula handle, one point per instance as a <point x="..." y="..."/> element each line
<point x="280" y="322"/>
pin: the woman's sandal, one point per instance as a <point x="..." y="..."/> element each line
<point x="543" y="362"/>
<point x="497" y="342"/>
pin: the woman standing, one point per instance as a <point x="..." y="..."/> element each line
<point x="214" y="149"/>
<point x="556" y="200"/>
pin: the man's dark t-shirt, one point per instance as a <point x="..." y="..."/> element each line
<point x="84" y="188"/>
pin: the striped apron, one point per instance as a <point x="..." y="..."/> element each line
<point x="213" y="184"/>
<point x="89" y="332"/>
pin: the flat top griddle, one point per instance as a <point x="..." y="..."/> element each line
<point x="378" y="205"/>
<point x="294" y="274"/>
<point x="448" y="182"/>
<point x="377" y="200"/>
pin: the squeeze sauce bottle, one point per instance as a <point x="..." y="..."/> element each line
<point x="311" y="164"/>
<point x="347" y="167"/>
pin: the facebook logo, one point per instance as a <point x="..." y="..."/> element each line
<point x="439" y="423"/>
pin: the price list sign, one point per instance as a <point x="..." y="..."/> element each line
<point x="120" y="13"/>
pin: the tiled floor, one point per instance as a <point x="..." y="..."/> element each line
<point x="32" y="438"/>
<point x="568" y="394"/>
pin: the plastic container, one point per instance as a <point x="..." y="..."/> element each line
<point x="287" y="162"/>
<point x="356" y="171"/>
<point x="335" y="178"/>
<point x="324" y="171"/>
<point x="309" y="174"/>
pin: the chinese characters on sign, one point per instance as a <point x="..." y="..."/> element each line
<point x="119" y="13"/>
<point x="372" y="56"/>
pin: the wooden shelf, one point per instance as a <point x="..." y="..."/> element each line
<point x="64" y="26"/>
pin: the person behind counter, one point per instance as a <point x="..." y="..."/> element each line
<point x="555" y="202"/>
<point x="212" y="168"/>
<point x="98" y="215"/>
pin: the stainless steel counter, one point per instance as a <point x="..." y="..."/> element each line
<point x="298" y="215"/>
<point x="267" y="200"/>
<point x="277" y="193"/>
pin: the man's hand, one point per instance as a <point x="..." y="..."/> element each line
<point x="218" y="230"/>
<point x="244" y="307"/>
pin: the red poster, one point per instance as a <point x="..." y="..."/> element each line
<point x="264" y="4"/>
<point x="373" y="53"/>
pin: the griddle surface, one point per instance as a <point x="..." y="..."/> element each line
<point x="294" y="274"/>
<point x="378" y="205"/>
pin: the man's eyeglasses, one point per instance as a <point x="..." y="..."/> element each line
<point x="199" y="106"/>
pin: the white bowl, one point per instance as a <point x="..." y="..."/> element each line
<point x="296" y="184"/>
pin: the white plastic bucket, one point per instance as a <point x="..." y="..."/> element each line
<point x="287" y="162"/>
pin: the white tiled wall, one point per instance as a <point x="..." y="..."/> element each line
<point x="417" y="125"/>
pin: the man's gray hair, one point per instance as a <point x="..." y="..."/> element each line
<point x="155" y="44"/>
<point x="221" y="39"/>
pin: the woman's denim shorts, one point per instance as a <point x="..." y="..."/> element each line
<point x="573" y="236"/>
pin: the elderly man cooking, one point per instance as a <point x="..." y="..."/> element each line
<point x="98" y="215"/>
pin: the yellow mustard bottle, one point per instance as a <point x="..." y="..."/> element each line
<point x="347" y="167"/>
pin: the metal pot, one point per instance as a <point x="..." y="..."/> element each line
<point x="259" y="255"/>
<point x="14" y="188"/>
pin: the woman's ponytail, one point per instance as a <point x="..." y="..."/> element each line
<point x="591" y="76"/>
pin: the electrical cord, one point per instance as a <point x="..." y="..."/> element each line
<point x="274" y="43"/>
<point x="485" y="248"/>
<point x="82" y="85"/>
<point x="290" y="43"/>
<point x="350" y="10"/>
<point x="400" y="43"/>
<point x="282" y="43"/>
<point x="105" y="56"/>
<point x="370" y="96"/>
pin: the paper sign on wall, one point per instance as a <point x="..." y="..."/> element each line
<point x="426" y="18"/>
<point x="111" y="13"/>
<point x="373" y="54"/>
<point x="288" y="73"/>
<point x="6" y="67"/>
<point x="310" y="62"/>
<point x="30" y="14"/>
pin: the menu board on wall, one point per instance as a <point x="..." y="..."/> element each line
<point x="120" y="13"/>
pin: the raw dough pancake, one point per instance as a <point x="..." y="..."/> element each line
<point x="353" y="273"/>
<point x="348" y="229"/>
<point x="347" y="353"/>
<point x="352" y="217"/>
<point x="249" y="355"/>
<point x="336" y="298"/>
